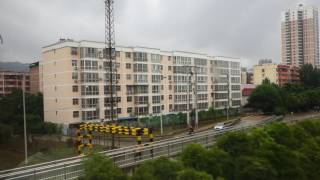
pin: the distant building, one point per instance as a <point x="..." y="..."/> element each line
<point x="34" y="78"/>
<point x="300" y="36"/>
<point x="244" y="76"/>
<point x="10" y="81"/>
<point x="250" y="76"/>
<point x="246" y="90"/>
<point x="265" y="61"/>
<point x="278" y="74"/>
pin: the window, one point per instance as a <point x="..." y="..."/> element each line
<point x="129" y="99"/>
<point x="169" y="68"/>
<point x="141" y="78"/>
<point x="74" y="63"/>
<point x="74" y="75"/>
<point x="156" y="78"/>
<point x="75" y="114"/>
<point x="140" y="68"/>
<point x="128" y="65"/>
<point x="155" y="68"/>
<point x="90" y="102"/>
<point x="156" y="109"/>
<point x="129" y="110"/>
<point x="156" y="99"/>
<point x="235" y="95"/>
<point x="89" y="77"/>
<point x="75" y="101"/>
<point x="74" y="88"/>
<point x="155" y="58"/>
<point x="156" y="89"/>
<point x="140" y="56"/>
<point x="128" y="55"/>
<point x="89" y="90"/>
<point x="170" y="96"/>
<point x="128" y="76"/>
<point x="118" y="53"/>
<point x="74" y="51"/>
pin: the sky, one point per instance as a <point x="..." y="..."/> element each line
<point x="248" y="29"/>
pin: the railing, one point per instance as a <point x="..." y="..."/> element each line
<point x="72" y="168"/>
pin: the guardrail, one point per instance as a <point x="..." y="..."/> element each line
<point x="72" y="168"/>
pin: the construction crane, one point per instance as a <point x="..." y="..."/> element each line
<point x="110" y="54"/>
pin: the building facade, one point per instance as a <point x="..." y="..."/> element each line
<point x="10" y="80"/>
<point x="277" y="73"/>
<point x="300" y="36"/>
<point x="149" y="81"/>
<point x="34" y="72"/>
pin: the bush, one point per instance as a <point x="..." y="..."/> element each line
<point x="5" y="133"/>
<point x="100" y="167"/>
<point x="190" y="174"/>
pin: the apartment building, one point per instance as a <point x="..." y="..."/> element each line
<point x="10" y="80"/>
<point x="35" y="75"/>
<point x="149" y="81"/>
<point x="300" y="36"/>
<point x="277" y="73"/>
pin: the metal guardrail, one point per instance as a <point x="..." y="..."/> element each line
<point x="72" y="168"/>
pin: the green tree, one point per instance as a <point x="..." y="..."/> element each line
<point x="158" y="169"/>
<point x="99" y="167"/>
<point x="309" y="75"/>
<point x="251" y="167"/>
<point x="267" y="98"/>
<point x="190" y="174"/>
<point x="194" y="156"/>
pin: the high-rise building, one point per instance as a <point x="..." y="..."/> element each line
<point x="150" y="81"/>
<point x="300" y="36"/>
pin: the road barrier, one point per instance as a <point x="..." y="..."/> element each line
<point x="72" y="168"/>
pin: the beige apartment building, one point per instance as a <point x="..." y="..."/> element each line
<point x="300" y="36"/>
<point x="149" y="81"/>
<point x="279" y="74"/>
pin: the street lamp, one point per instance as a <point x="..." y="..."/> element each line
<point x="24" y="120"/>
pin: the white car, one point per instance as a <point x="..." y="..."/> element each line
<point x="219" y="126"/>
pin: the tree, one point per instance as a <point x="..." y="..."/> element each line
<point x="267" y="98"/>
<point x="99" y="167"/>
<point x="158" y="169"/>
<point x="190" y="174"/>
<point x="251" y="167"/>
<point x="309" y="75"/>
<point x="194" y="156"/>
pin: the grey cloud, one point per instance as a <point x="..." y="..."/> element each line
<point x="249" y="29"/>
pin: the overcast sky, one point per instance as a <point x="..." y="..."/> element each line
<point x="249" y="29"/>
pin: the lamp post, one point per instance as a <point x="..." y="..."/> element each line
<point x="24" y="120"/>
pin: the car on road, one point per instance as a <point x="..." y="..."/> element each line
<point x="219" y="126"/>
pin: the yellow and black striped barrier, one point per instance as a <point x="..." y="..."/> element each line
<point x="108" y="129"/>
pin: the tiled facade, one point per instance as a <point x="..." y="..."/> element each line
<point x="150" y="81"/>
<point x="10" y="80"/>
<point x="277" y="73"/>
<point x="300" y="36"/>
<point x="34" y="72"/>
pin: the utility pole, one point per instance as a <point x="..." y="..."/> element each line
<point x="228" y="106"/>
<point x="24" y="120"/>
<point x="188" y="98"/>
<point x="111" y="57"/>
<point x="196" y="97"/>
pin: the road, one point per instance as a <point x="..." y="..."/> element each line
<point x="127" y="157"/>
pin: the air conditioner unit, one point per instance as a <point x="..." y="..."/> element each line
<point x="75" y="81"/>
